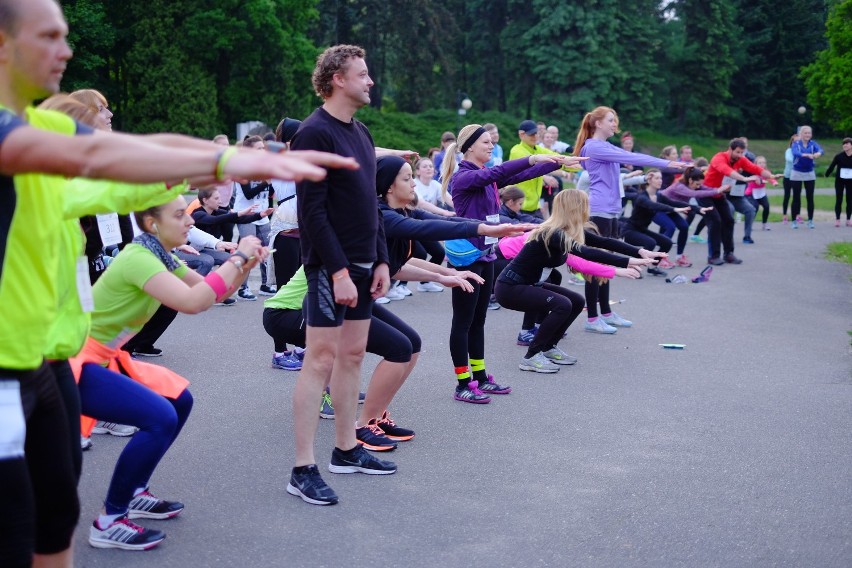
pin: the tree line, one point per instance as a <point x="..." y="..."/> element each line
<point x="713" y="67"/>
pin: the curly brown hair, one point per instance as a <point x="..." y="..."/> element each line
<point x="333" y="60"/>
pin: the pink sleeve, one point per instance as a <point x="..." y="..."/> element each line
<point x="589" y="267"/>
<point x="511" y="246"/>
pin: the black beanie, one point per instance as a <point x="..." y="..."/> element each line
<point x="387" y="168"/>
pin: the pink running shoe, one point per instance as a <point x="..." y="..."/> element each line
<point x="683" y="261"/>
<point x="665" y="264"/>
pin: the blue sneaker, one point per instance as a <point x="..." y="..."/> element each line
<point x="288" y="361"/>
<point x="357" y="460"/>
<point x="326" y="408"/>
<point x="525" y="336"/>
<point x="308" y="484"/>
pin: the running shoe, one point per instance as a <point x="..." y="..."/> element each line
<point x="245" y="294"/>
<point x="326" y="408"/>
<point x="124" y="534"/>
<point x="493" y="304"/>
<point x="811" y="225"/>
<point x="382" y="300"/>
<point x="683" y="262"/>
<point x="836" y="223"/>
<point x="265" y="290"/>
<point x="794" y="224"/>
<point x="392" y="431"/>
<point x="308" y="484"/>
<point x="85" y="444"/>
<point x="394" y="294"/>
<point x="576" y="279"/>
<point x="373" y="438"/>
<point x="731" y="259"/>
<point x="599" y="326"/>
<point x="785" y="220"/>
<point x="429" y="287"/>
<point x="558" y="356"/>
<point x="748" y="240"/>
<point x="146" y="506"/>
<point x="403" y="289"/>
<point x="525" y="336"/>
<point x="616" y="320"/>
<point x="656" y="271"/>
<point x="357" y="460"/>
<point x="698" y="239"/>
<point x="491" y="387"/>
<point x="538" y="363"/>
<point x="226" y="302"/>
<point x="471" y="394"/>
<point x="666" y="264"/>
<point x="288" y="361"/>
<point x="120" y="430"/>
<point x="715" y="261"/>
<point x="149" y="351"/>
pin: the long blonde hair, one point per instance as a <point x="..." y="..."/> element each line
<point x="448" y="166"/>
<point x="587" y="126"/>
<point x="67" y="104"/>
<point x="569" y="215"/>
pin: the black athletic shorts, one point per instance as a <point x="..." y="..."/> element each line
<point x="320" y="308"/>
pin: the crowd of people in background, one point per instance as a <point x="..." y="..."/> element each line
<point x="335" y="226"/>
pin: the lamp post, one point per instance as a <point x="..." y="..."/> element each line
<point x="463" y="104"/>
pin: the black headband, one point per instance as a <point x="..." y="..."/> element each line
<point x="473" y="138"/>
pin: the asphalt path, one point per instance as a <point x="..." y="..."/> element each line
<point x="735" y="451"/>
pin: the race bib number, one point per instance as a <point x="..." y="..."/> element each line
<point x="492" y="219"/>
<point x="109" y="229"/>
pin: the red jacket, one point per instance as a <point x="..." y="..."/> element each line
<point x="720" y="166"/>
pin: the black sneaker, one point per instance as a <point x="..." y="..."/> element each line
<point x="146" y="506"/>
<point x="373" y="438"/>
<point x="392" y="431"/>
<point x="245" y="294"/>
<point x="125" y="535"/>
<point x="147" y="352"/>
<point x="226" y="302"/>
<point x="357" y="460"/>
<point x="657" y="271"/>
<point x="265" y="290"/>
<point x="309" y="485"/>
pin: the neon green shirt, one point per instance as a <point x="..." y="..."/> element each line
<point x="121" y="305"/>
<point x="290" y="295"/>
<point x="30" y="214"/>
<point x="90" y="197"/>
<point x="531" y="187"/>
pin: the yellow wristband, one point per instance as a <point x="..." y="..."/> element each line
<point x="222" y="160"/>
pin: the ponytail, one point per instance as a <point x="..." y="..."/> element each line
<point x="692" y="173"/>
<point x="587" y="126"/>
<point x="448" y="166"/>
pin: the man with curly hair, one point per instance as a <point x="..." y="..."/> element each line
<point x="346" y="262"/>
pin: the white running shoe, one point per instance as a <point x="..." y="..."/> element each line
<point x="394" y="294"/>
<point x="403" y="289"/>
<point x="119" y="430"/>
<point x="599" y="326"/>
<point x="429" y="287"/>
<point x="538" y="363"/>
<point x="558" y="356"/>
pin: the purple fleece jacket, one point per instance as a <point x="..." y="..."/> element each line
<point x="603" y="169"/>
<point x="475" y="193"/>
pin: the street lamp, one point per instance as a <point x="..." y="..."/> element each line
<point x="463" y="103"/>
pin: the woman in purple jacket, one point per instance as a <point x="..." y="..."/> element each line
<point x="681" y="192"/>
<point x="475" y="196"/>
<point x="605" y="199"/>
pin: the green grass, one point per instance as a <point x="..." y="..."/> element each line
<point x="839" y="252"/>
<point x="821" y="202"/>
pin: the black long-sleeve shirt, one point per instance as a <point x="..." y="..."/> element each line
<point x="644" y="209"/>
<point x="535" y="257"/>
<point x="213" y="223"/>
<point x="403" y="226"/>
<point x="339" y="216"/>
<point x="840" y="161"/>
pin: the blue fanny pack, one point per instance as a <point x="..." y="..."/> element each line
<point x="460" y="252"/>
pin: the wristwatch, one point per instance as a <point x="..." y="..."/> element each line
<point x="239" y="259"/>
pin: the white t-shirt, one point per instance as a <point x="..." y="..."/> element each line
<point x="242" y="202"/>
<point x="430" y="193"/>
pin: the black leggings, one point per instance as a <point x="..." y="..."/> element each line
<point x="757" y="204"/>
<point x="788" y="187"/>
<point x="840" y="186"/>
<point x="71" y="397"/>
<point x="389" y="337"/>
<point x="467" y="332"/>
<point x="434" y="249"/>
<point x="39" y="488"/>
<point x="797" y="198"/>
<point x="152" y="330"/>
<point x="533" y="317"/>
<point x="646" y="239"/>
<point x="561" y="306"/>
<point x="598" y="294"/>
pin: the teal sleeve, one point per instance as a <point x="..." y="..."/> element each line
<point x="92" y="197"/>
